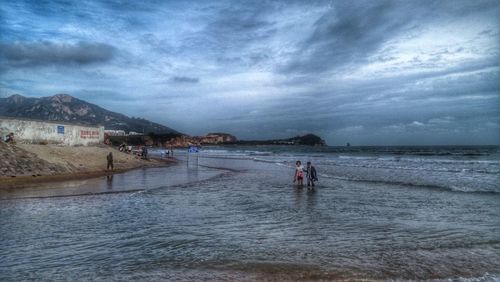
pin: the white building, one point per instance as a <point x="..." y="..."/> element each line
<point x="112" y="132"/>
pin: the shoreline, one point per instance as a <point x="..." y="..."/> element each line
<point x="27" y="180"/>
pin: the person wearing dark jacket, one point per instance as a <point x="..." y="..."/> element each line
<point x="311" y="174"/>
<point x="109" y="157"/>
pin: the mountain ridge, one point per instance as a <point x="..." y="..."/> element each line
<point x="66" y="108"/>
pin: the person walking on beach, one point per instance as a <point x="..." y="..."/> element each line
<point x="311" y="175"/>
<point x="109" y="157"/>
<point x="299" y="173"/>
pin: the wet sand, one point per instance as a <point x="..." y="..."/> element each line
<point x="30" y="181"/>
<point x="132" y="180"/>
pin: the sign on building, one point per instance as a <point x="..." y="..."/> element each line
<point x="60" y="129"/>
<point x="89" y="134"/>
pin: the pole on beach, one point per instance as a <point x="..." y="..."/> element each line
<point x="192" y="151"/>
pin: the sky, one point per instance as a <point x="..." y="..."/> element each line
<point x="365" y="72"/>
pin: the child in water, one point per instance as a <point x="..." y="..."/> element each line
<point x="299" y="173"/>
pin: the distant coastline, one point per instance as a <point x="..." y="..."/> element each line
<point x="184" y="141"/>
<point x="305" y="140"/>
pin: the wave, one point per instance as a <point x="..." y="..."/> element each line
<point x="86" y="194"/>
<point x="224" y="157"/>
<point x="485" y="277"/>
<point x="383" y="158"/>
<point x="414" y="168"/>
<point x="418" y="160"/>
<point x="466" y="167"/>
<point x="221" y="168"/>
<point x="457" y="166"/>
<point x="268" y="161"/>
<point x="386" y="171"/>
<point x="438" y="153"/>
<point x="451" y="188"/>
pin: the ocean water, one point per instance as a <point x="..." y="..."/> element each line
<point x="233" y="213"/>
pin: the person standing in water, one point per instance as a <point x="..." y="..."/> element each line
<point x="299" y="173"/>
<point x="311" y="175"/>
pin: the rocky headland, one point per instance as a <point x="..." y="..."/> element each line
<point x="304" y="140"/>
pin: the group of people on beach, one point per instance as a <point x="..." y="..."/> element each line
<point x="141" y="151"/>
<point x="310" y="174"/>
<point x="9" y="138"/>
<point x="167" y="153"/>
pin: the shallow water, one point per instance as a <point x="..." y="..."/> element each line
<point x="250" y="223"/>
<point x="138" y="180"/>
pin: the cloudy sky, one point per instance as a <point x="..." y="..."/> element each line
<point x="364" y="72"/>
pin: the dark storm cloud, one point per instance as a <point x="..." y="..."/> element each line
<point x="351" y="31"/>
<point x="346" y="34"/>
<point x="366" y="72"/>
<point x="29" y="54"/>
<point x="232" y="29"/>
<point x="133" y="6"/>
<point x="222" y="33"/>
<point x="240" y="21"/>
<point x="374" y="105"/>
<point x="185" y="79"/>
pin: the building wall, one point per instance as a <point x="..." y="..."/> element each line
<point x="32" y="131"/>
<point x="111" y="132"/>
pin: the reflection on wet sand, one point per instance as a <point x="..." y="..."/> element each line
<point x="109" y="181"/>
<point x="131" y="181"/>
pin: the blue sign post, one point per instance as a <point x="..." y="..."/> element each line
<point x="60" y="129"/>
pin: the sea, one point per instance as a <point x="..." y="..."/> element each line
<point x="233" y="213"/>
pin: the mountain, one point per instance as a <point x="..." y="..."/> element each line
<point x="65" y="108"/>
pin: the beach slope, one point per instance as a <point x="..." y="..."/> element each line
<point x="28" y="163"/>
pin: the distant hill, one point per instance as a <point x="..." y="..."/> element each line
<point x="308" y="140"/>
<point x="65" y="108"/>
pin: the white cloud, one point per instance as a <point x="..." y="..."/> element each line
<point x="417" y="124"/>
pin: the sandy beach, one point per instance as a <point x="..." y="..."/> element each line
<point x="29" y="163"/>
